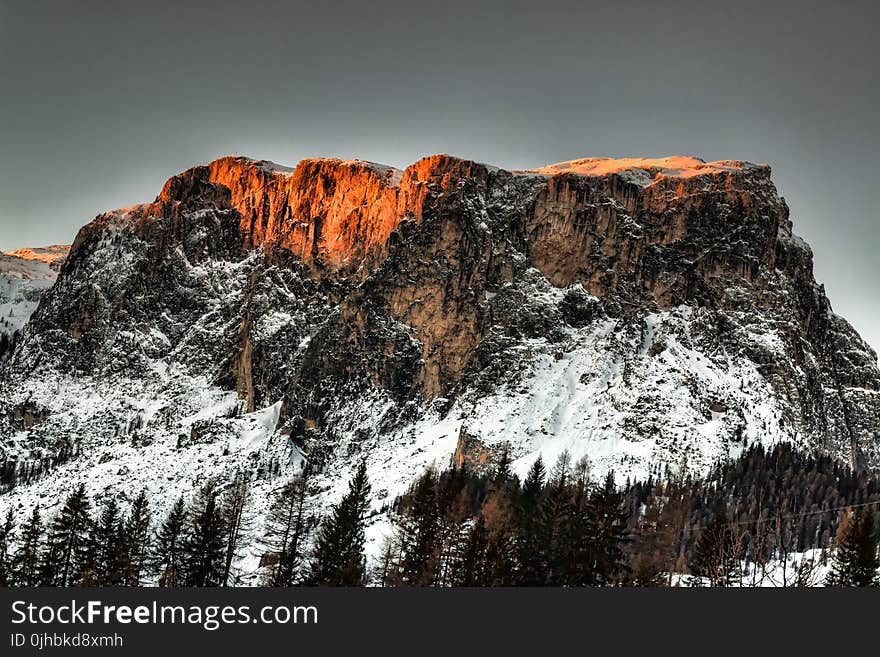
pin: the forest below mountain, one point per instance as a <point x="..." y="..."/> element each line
<point x="460" y="527"/>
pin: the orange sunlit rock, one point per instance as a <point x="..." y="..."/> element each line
<point x="51" y="254"/>
<point x="337" y="214"/>
<point x="326" y="209"/>
<point x="677" y="166"/>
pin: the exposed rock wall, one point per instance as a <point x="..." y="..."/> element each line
<point x="337" y="278"/>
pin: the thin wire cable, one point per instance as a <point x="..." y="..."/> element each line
<point x="806" y="513"/>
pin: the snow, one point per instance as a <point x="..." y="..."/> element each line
<point x="269" y="324"/>
<point x="589" y="398"/>
<point x="642" y="170"/>
<point x="263" y="423"/>
<point x="780" y="571"/>
<point x="24" y="275"/>
<point x="274" y="167"/>
<point x="55" y="253"/>
<point x="137" y="440"/>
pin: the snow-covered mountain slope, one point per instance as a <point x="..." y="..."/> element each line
<point x="52" y="255"/>
<point x="24" y="275"/>
<point x="646" y="313"/>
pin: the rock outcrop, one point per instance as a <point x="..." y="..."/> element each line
<point x="643" y="312"/>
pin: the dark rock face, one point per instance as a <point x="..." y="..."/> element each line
<point x="340" y="278"/>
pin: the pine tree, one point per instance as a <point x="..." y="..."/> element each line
<point x="168" y="555"/>
<point x="236" y="523"/>
<point x="204" y="551"/>
<point x="454" y="507"/>
<point x="855" y="560"/>
<point x="385" y="573"/>
<point x="653" y="551"/>
<point x="102" y="561"/>
<point x="503" y="473"/>
<point x="338" y="558"/>
<point x="68" y="540"/>
<point x="136" y="541"/>
<point x="716" y="552"/>
<point x="501" y="562"/>
<point x="474" y="569"/>
<point x="287" y="530"/>
<point x="532" y="568"/>
<point x="26" y="563"/>
<point x="499" y="512"/>
<point x="418" y="531"/>
<point x="581" y="559"/>
<point x="868" y="563"/>
<point x="608" y="520"/>
<point x="7" y="528"/>
<point x="556" y="523"/>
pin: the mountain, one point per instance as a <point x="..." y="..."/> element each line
<point x="648" y="313"/>
<point x="53" y="255"/>
<point x="24" y="275"/>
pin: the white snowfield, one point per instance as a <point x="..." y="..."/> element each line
<point x="797" y="569"/>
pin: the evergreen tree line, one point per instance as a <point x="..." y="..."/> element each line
<point x="464" y="528"/>
<point x="760" y="509"/>
<point x="457" y="528"/>
<point x="194" y="545"/>
<point x="744" y="520"/>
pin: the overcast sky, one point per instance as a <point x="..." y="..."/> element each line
<point x="100" y="102"/>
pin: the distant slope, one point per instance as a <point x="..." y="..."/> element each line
<point x="24" y="275"/>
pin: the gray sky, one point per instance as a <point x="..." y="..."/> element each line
<point x="100" y="102"/>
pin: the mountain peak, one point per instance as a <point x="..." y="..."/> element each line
<point x="51" y="254"/>
<point x="676" y="166"/>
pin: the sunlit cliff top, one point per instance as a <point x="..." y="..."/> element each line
<point x="50" y="254"/>
<point x="678" y="166"/>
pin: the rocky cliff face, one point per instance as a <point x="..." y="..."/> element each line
<point x="643" y="312"/>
